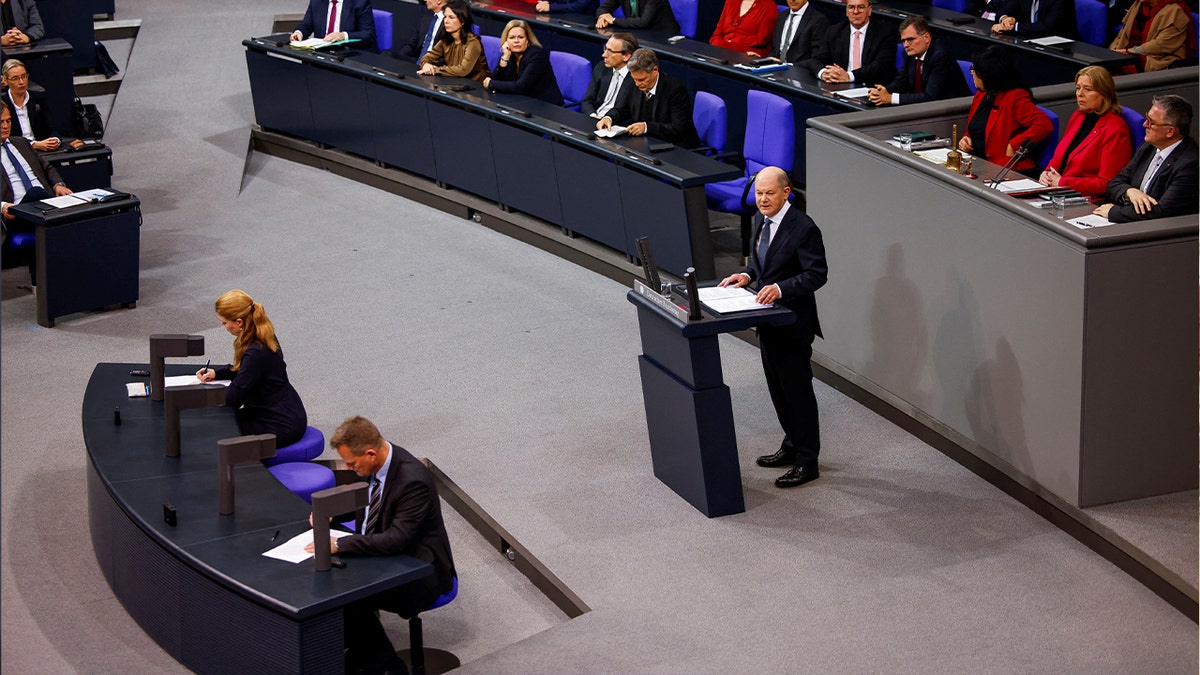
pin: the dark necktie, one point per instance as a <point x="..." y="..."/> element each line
<point x="789" y="32"/>
<point x="332" y="16"/>
<point x="12" y="157"/>
<point x="764" y="242"/>
<point x="917" y="88"/>
<point x="373" y="507"/>
<point x="433" y="26"/>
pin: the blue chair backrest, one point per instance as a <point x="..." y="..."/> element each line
<point x="686" y="13"/>
<point x="770" y="132"/>
<point x="964" y="6"/>
<point x="573" y="73"/>
<point x="1049" y="145"/>
<point x="383" y="29"/>
<point x="1092" y="17"/>
<point x="900" y="56"/>
<point x="491" y="50"/>
<point x="1135" y="120"/>
<point x="965" y="67"/>
<point x="710" y="118"/>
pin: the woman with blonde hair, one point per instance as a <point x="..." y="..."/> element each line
<point x="263" y="399"/>
<point x="1095" y="145"/>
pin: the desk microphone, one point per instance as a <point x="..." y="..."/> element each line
<point x="1012" y="161"/>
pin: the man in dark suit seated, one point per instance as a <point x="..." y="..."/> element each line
<point x="338" y="20"/>
<point x="800" y="35"/>
<point x="663" y="109"/>
<point x="859" y="51"/>
<point x="787" y="266"/>
<point x="929" y="74"/>
<point x="610" y="78"/>
<point x="649" y="14"/>
<point x="403" y="517"/>
<point x="20" y="22"/>
<point x="422" y="38"/>
<point x="31" y="118"/>
<point x="1033" y="18"/>
<point x="1161" y="180"/>
<point x="26" y="175"/>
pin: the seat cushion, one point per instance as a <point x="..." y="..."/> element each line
<point x="303" y="478"/>
<point x="310" y="446"/>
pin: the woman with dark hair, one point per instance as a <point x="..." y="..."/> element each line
<point x="1003" y="115"/>
<point x="457" y="46"/>
<point x="524" y="67"/>
<point x="1095" y="146"/>
<point x="263" y="399"/>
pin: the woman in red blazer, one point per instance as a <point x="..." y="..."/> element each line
<point x="1003" y="115"/>
<point x="1095" y="145"/>
<point x="747" y="26"/>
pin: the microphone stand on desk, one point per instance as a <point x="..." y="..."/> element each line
<point x="1018" y="155"/>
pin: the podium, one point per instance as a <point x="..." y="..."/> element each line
<point x="689" y="413"/>
<point x="87" y="256"/>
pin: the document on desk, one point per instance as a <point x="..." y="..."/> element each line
<point x="857" y="92"/>
<point x="936" y="155"/>
<point x="293" y="551"/>
<point x="1020" y="185"/>
<point x="64" y="201"/>
<point x="184" y="380"/>
<point x="611" y="132"/>
<point x="1050" y="40"/>
<point x="1089" y="221"/>
<point x="728" y="299"/>
<point x="310" y="43"/>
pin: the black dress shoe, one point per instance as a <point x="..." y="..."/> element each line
<point x="780" y="458"/>
<point x="797" y="476"/>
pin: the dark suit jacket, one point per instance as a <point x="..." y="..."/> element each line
<point x="410" y="523"/>
<point x="667" y="116"/>
<point x="411" y="49"/>
<point x="46" y="174"/>
<point x="29" y="21"/>
<point x="38" y="117"/>
<point x="263" y="399"/>
<point x="357" y="20"/>
<point x="1174" y="186"/>
<point x="796" y="262"/>
<point x="653" y="15"/>
<point x="808" y="49"/>
<point x="878" y="53"/>
<point x="573" y="6"/>
<point x="941" y="78"/>
<point x="1055" y="17"/>
<point x="602" y="75"/>
<point x="533" y="77"/>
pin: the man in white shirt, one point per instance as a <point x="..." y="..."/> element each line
<point x="610" y="78"/>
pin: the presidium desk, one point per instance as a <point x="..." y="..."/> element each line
<point x="517" y="151"/>
<point x="202" y="589"/>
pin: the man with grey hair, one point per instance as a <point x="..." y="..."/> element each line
<point x="1161" y="179"/>
<point x="661" y="107"/>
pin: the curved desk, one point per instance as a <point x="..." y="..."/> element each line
<point x="202" y="589"/>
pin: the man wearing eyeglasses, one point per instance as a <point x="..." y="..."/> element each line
<point x="1161" y="180"/>
<point x="610" y="82"/>
<point x="929" y="73"/>
<point x="859" y="52"/>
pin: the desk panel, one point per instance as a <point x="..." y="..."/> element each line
<point x="402" y="129"/>
<point x="591" y="197"/>
<point x="525" y="171"/>
<point x="457" y="139"/>
<point x="338" y="102"/>
<point x="280" y="93"/>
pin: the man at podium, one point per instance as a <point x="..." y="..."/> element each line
<point x="788" y="266"/>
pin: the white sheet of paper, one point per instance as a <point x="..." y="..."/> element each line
<point x="1089" y="221"/>
<point x="857" y="92"/>
<point x="64" y="201"/>
<point x="611" y="132"/>
<point x="184" y="380"/>
<point x="94" y="193"/>
<point x="729" y="299"/>
<point x="293" y="551"/>
<point x="1050" y="40"/>
<point x="310" y="43"/>
<point x="1019" y="185"/>
<point x="937" y="155"/>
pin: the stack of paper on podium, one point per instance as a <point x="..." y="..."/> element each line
<point x="728" y="299"/>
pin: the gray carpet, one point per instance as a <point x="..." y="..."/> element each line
<point x="516" y="373"/>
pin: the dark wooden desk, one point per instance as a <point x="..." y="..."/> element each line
<point x="202" y="589"/>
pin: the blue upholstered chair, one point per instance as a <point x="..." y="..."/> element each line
<point x="686" y="13"/>
<point x="965" y="67"/>
<point x="770" y="141"/>
<point x="491" y="50"/>
<point x="1135" y="120"/>
<point x="964" y="6"/>
<point x="303" y="478"/>
<point x="573" y="73"/>
<point x="383" y="29"/>
<point x="1045" y="150"/>
<point x="18" y="250"/>
<point x="900" y="56"/>
<point x="419" y="658"/>
<point x="310" y="446"/>
<point x="1092" y="18"/>
<point x="710" y="117"/>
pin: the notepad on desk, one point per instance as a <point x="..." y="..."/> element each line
<point x="611" y="132"/>
<point x="728" y="299"/>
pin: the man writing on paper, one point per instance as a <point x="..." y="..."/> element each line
<point x="788" y="266"/>
<point x="610" y="78"/>
<point x="929" y="74"/>
<point x="403" y="517"/>
<point x="338" y="20"/>
<point x="662" y="109"/>
<point x="1162" y="178"/>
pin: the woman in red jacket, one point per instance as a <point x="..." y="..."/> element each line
<point x="747" y="26"/>
<point x="1095" y="145"/>
<point x="1003" y="115"/>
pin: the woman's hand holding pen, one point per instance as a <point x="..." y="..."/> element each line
<point x="206" y="374"/>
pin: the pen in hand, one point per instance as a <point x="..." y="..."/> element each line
<point x="275" y="536"/>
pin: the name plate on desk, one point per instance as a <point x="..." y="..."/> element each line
<point x="659" y="301"/>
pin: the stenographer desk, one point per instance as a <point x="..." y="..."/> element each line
<point x="202" y="589"/>
<point x="519" y="152"/>
<point x="1064" y="357"/>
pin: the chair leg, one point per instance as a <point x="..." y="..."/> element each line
<point x="416" y="642"/>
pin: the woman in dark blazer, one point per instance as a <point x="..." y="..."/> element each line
<point x="263" y="399"/>
<point x="524" y="67"/>
<point x="1095" y="145"/>
<point x="1003" y="115"/>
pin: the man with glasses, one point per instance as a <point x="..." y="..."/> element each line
<point x="859" y="52"/>
<point x="929" y="73"/>
<point x="610" y="78"/>
<point x="1162" y="178"/>
<point x="661" y="107"/>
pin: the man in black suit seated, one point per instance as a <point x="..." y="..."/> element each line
<point x="929" y="74"/>
<point x="1033" y="18"/>
<point x="403" y="517"/>
<point x="787" y="266"/>
<point x="800" y="35"/>
<point x="663" y="109"/>
<point x="649" y="14"/>
<point x="422" y="38"/>
<point x="859" y="51"/>
<point x="1161" y="180"/>
<point x="20" y="22"/>
<point x="31" y="118"/>
<point x="338" y="20"/>
<point x="26" y="175"/>
<point x="610" y="78"/>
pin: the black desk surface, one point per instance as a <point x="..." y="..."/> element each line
<point x="44" y="47"/>
<point x="130" y="460"/>
<point x="38" y="214"/>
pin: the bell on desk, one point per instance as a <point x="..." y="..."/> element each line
<point x="954" y="157"/>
